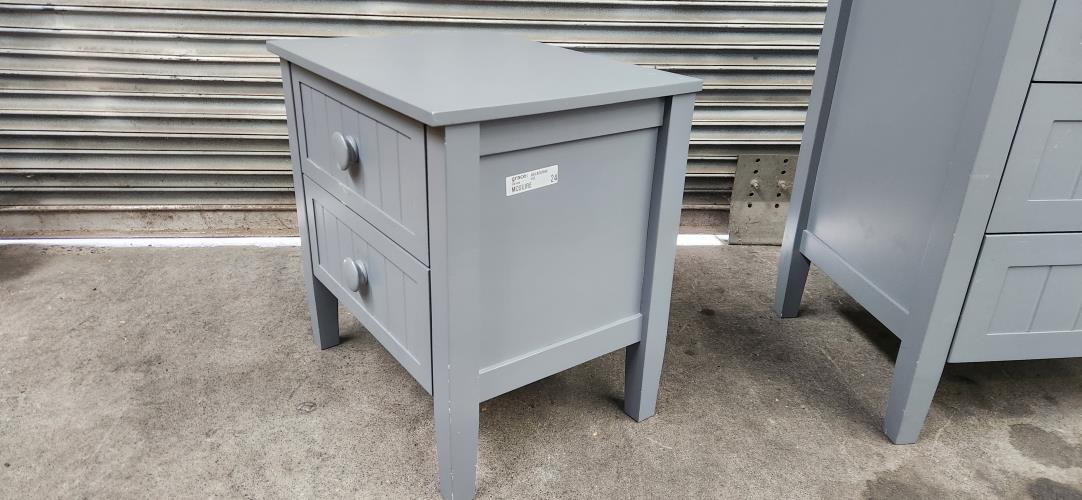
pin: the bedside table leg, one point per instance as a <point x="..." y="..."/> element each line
<point x="454" y="229"/>
<point x="642" y="376"/>
<point x="642" y="362"/>
<point x="323" y="306"/>
<point x="456" y="445"/>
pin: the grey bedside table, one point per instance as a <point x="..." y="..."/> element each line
<point x="940" y="183"/>
<point x="491" y="209"/>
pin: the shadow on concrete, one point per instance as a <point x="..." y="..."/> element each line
<point x="18" y="260"/>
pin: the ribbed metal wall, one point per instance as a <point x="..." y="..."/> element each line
<point x="173" y="105"/>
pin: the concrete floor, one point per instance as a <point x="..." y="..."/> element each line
<point x="189" y="373"/>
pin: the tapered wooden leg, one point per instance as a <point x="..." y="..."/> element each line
<point x="642" y="366"/>
<point x="456" y="444"/>
<point x="793" y="266"/>
<point x="916" y="376"/>
<point x="454" y="215"/>
<point x="792" y="276"/>
<point x="642" y="377"/>
<point x="323" y="306"/>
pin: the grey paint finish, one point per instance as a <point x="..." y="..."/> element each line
<point x="513" y="134"/>
<point x="1025" y="301"/>
<point x="1042" y="185"/>
<point x="870" y="216"/>
<point x="793" y="266"/>
<point x="386" y="183"/>
<point x="520" y="370"/>
<point x="322" y="305"/>
<point x="521" y="284"/>
<point x="903" y="247"/>
<point x="642" y="367"/>
<point x="1061" y="57"/>
<point x="454" y="210"/>
<point x="598" y="211"/>
<point x="392" y="304"/>
<point x="504" y="75"/>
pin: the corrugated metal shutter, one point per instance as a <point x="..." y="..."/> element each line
<point x="174" y="106"/>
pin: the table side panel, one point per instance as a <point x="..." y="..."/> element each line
<point x="572" y="251"/>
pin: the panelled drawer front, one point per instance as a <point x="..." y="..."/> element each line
<point x="1041" y="189"/>
<point x="1025" y="300"/>
<point x="369" y="156"/>
<point x="1061" y="54"/>
<point x="394" y="303"/>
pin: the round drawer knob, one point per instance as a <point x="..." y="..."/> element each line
<point x="355" y="273"/>
<point x="344" y="150"/>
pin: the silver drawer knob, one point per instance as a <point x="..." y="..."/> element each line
<point x="344" y="150"/>
<point x="355" y="273"/>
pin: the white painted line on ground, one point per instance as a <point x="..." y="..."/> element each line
<point x="684" y="240"/>
<point x="256" y="241"/>
<point x="701" y="240"/>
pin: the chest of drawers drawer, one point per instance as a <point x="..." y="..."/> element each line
<point x="381" y="284"/>
<point x="1025" y="300"/>
<point x="1061" y="54"/>
<point x="367" y="155"/>
<point x="1041" y="190"/>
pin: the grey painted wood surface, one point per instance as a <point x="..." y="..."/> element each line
<point x="1061" y="57"/>
<point x="1025" y="301"/>
<point x="503" y="75"/>
<point x="492" y="288"/>
<point x="393" y="304"/>
<point x="386" y="184"/>
<point x="454" y="211"/>
<point x="793" y="266"/>
<point x="1042" y="185"/>
<point x="322" y="305"/>
<point x="598" y="211"/>
<point x="901" y="200"/>
<point x="875" y="194"/>
<point x="643" y="360"/>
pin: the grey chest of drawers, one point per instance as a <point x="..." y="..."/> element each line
<point x="940" y="183"/>
<point x="491" y="209"/>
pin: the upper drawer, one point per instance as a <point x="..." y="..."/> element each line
<point x="1041" y="189"/>
<point x="367" y="155"/>
<point x="1061" y="55"/>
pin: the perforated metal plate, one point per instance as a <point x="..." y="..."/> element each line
<point x="761" y="195"/>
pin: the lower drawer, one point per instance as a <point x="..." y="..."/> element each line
<point x="1025" y="300"/>
<point x="385" y="287"/>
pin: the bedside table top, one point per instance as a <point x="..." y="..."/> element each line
<point x="461" y="77"/>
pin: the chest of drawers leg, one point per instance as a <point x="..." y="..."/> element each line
<point x="953" y="211"/>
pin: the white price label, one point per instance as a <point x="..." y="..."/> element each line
<point x="526" y="181"/>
